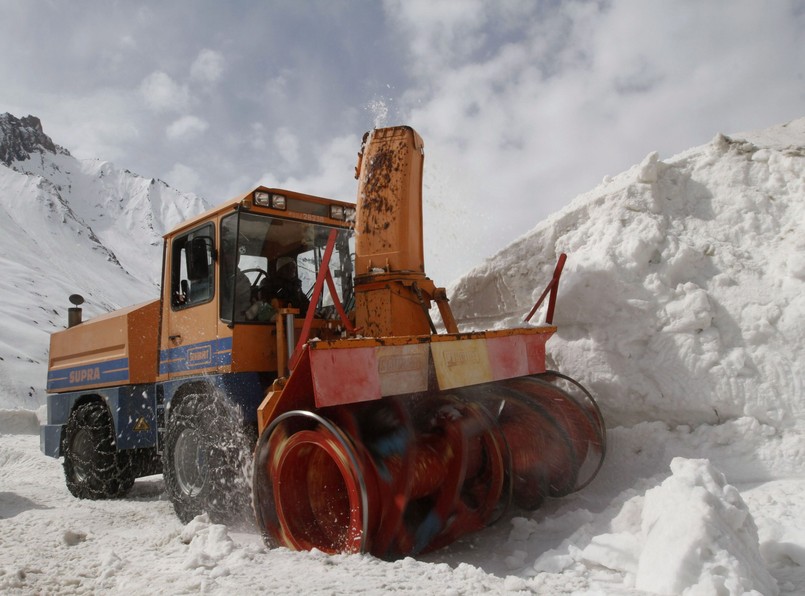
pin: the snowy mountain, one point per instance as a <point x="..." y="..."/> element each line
<point x="70" y="226"/>
<point x="684" y="291"/>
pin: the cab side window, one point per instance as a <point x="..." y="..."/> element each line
<point x="192" y="269"/>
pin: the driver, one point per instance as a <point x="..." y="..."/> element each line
<point x="287" y="287"/>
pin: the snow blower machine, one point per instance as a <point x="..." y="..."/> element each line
<point x="399" y="440"/>
<point x="304" y="324"/>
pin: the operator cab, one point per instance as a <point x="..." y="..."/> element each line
<point x="267" y="259"/>
<point x="268" y="263"/>
<point x="232" y="271"/>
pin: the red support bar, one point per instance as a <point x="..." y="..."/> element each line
<point x="553" y="288"/>
<point x="337" y="303"/>
<point x="323" y="276"/>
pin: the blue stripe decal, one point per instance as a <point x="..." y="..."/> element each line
<point x="101" y="373"/>
<point x="207" y="354"/>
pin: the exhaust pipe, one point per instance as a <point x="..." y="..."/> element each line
<point x="74" y="312"/>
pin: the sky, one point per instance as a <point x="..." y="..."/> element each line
<point x="522" y="104"/>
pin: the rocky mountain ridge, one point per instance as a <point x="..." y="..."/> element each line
<point x="21" y="137"/>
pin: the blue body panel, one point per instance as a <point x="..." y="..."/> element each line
<point x="110" y="371"/>
<point x="203" y="355"/>
<point x="134" y="408"/>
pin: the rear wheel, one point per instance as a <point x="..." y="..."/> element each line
<point x="93" y="467"/>
<point x="206" y="459"/>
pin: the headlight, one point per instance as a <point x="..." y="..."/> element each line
<point x="278" y="202"/>
<point x="349" y="213"/>
<point x="337" y="212"/>
<point x="262" y="198"/>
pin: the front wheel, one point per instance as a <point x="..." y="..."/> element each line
<point x="205" y="460"/>
<point x="93" y="467"/>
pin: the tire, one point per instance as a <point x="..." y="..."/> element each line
<point x="207" y="460"/>
<point x="93" y="467"/>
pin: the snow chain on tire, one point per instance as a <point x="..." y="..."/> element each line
<point x="206" y="460"/>
<point x="93" y="467"/>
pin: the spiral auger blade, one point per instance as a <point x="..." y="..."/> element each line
<point x="553" y="431"/>
<point x="408" y="474"/>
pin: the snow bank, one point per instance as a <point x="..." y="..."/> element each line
<point x="19" y="422"/>
<point x="691" y="534"/>
<point x="683" y="295"/>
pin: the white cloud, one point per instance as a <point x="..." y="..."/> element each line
<point x="97" y="125"/>
<point x="186" y="127"/>
<point x="287" y="144"/>
<point x="183" y="178"/>
<point x="444" y="33"/>
<point x="128" y="42"/>
<point x="162" y="94"/>
<point x="257" y="139"/>
<point x="546" y="98"/>
<point x="331" y="175"/>
<point x="207" y="67"/>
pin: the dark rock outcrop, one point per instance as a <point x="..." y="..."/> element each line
<point x="20" y="137"/>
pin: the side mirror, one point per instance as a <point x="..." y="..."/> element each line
<point x="198" y="253"/>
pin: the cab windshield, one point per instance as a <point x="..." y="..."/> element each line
<point x="268" y="263"/>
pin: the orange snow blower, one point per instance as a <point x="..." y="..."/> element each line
<point x="303" y="323"/>
<point x="396" y="440"/>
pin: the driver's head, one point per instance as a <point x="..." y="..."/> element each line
<point x="286" y="268"/>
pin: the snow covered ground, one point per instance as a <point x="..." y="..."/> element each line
<point x="660" y="518"/>
<point x="682" y="309"/>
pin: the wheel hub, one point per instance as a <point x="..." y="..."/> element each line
<point x="190" y="464"/>
<point x="81" y="448"/>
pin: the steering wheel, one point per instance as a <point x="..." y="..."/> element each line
<point x="261" y="273"/>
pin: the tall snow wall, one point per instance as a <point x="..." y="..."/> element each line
<point x="683" y="296"/>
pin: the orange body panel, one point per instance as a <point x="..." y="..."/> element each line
<point x="389" y="309"/>
<point x="190" y="343"/>
<point x="113" y="349"/>
<point x="254" y="347"/>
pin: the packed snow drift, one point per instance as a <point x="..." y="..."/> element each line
<point x="682" y="297"/>
<point x="681" y="308"/>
